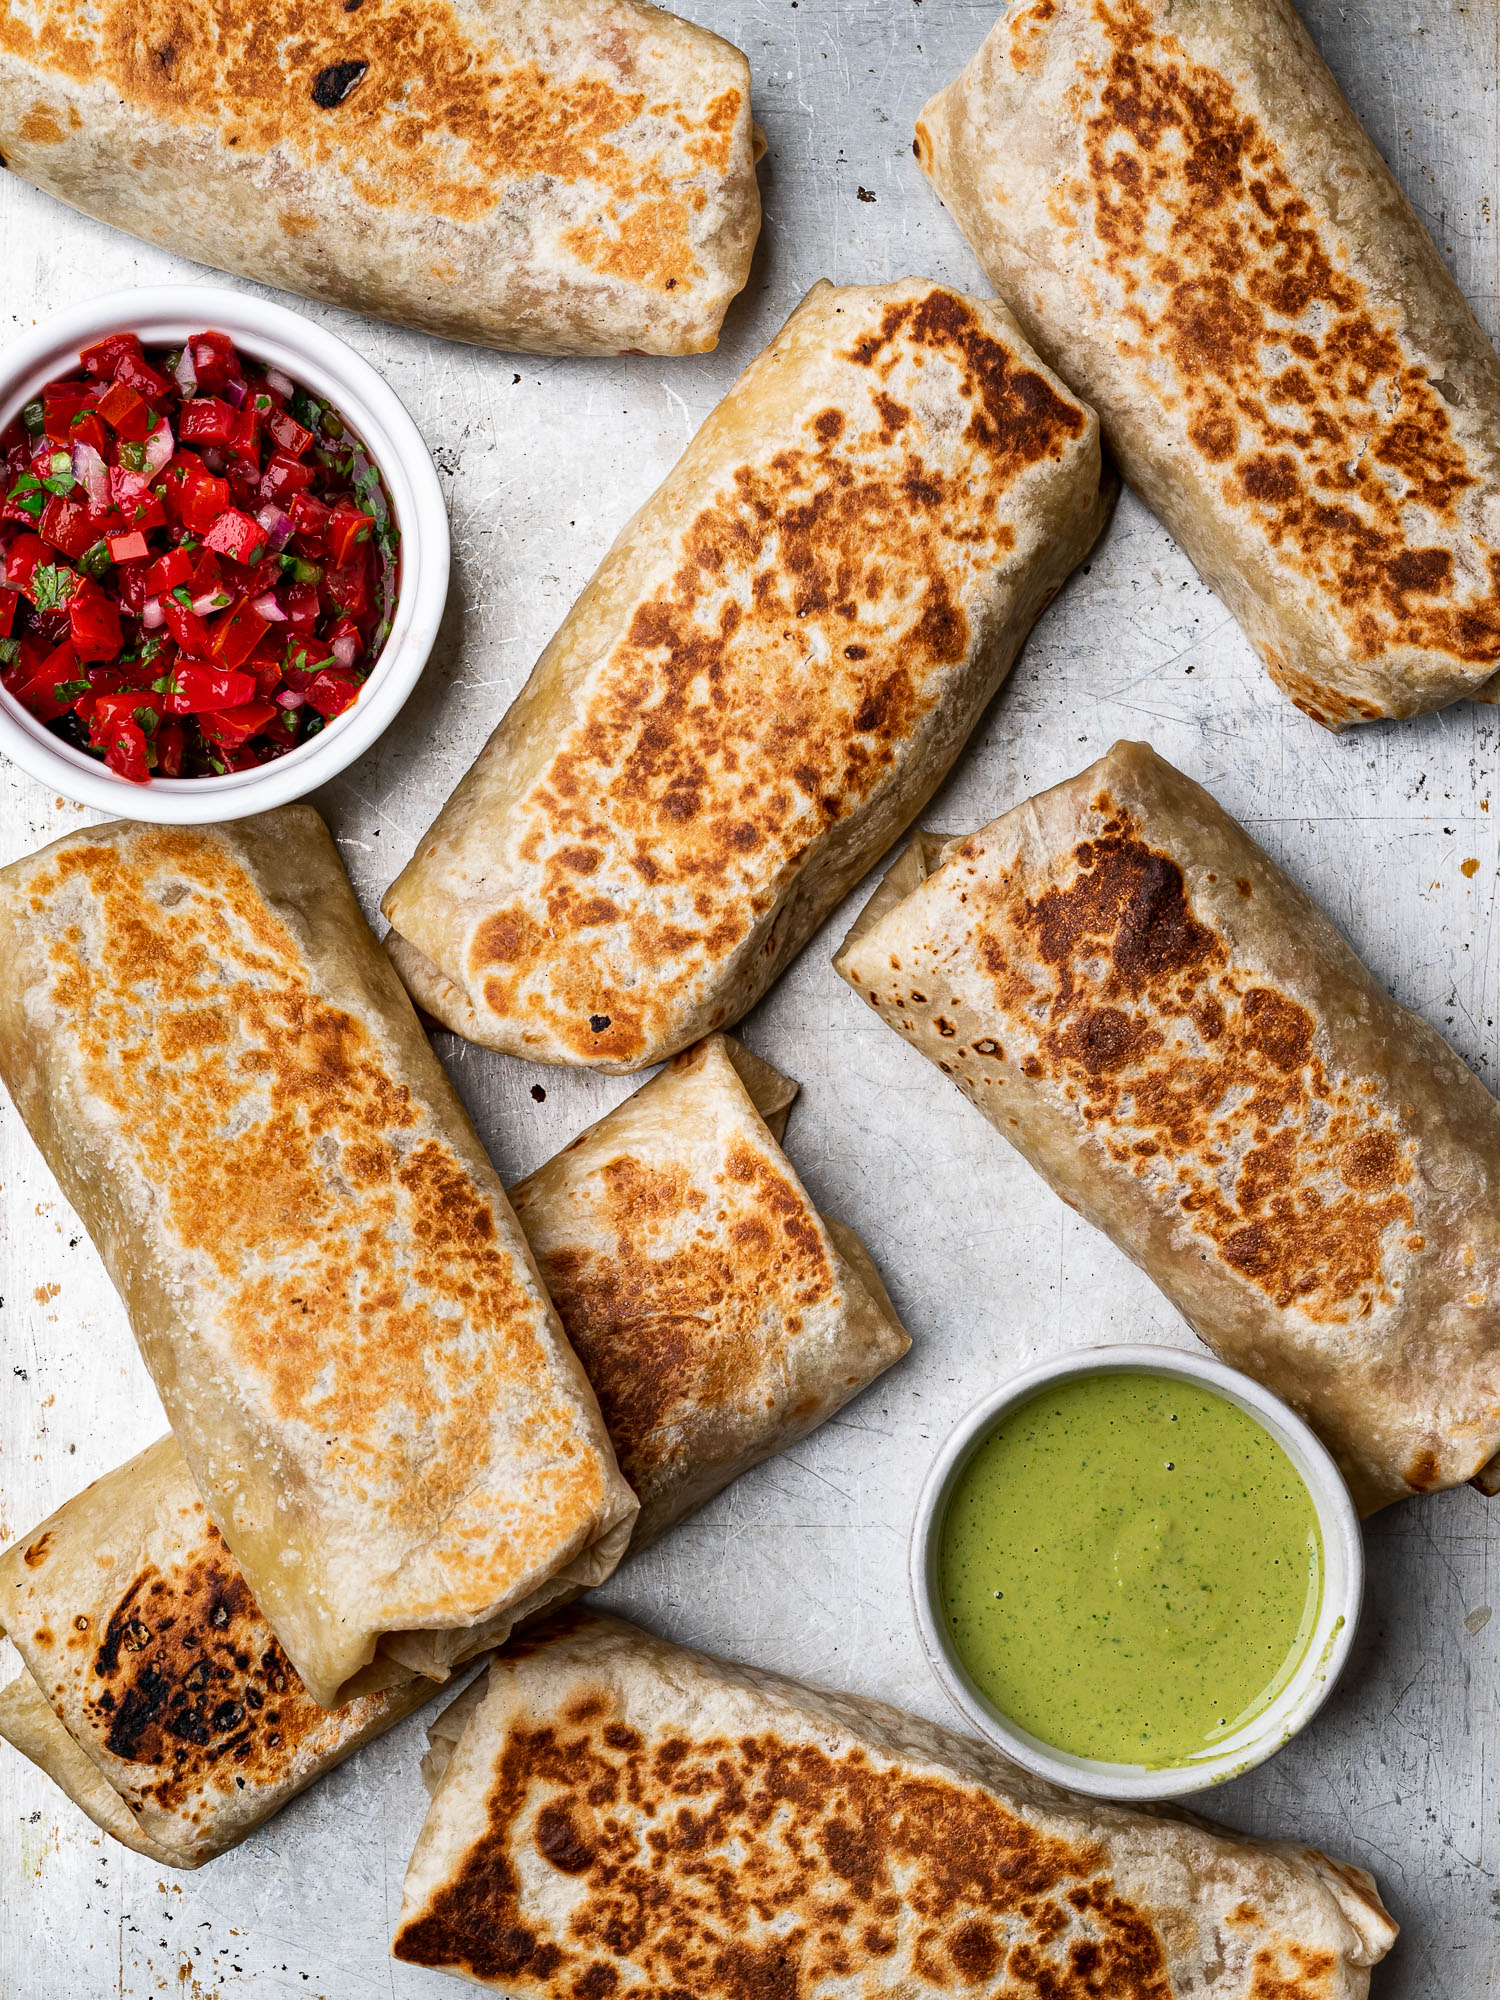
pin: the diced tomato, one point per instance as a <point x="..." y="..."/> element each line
<point x="300" y="602"/>
<point x="200" y="690"/>
<point x="283" y="479"/>
<point x="171" y="741"/>
<point x="331" y="693"/>
<point x="289" y="434"/>
<point x="244" y="440"/>
<point x="53" y="685"/>
<point x="137" y="373"/>
<point x="237" y="536"/>
<point x="125" y="751"/>
<point x="143" y="673"/>
<point x="9" y="601"/>
<point x="94" y="620"/>
<point x="266" y="668"/>
<point x="87" y="429"/>
<point x="67" y="526"/>
<point x="202" y="498"/>
<point x="26" y="553"/>
<point x="131" y="584"/>
<point x="237" y="634"/>
<point x="105" y="356"/>
<point x="167" y="572"/>
<point x="310" y="519"/>
<point x="215" y="362"/>
<point x="129" y="548"/>
<point x="129" y="705"/>
<point x="233" y="727"/>
<point x="126" y="414"/>
<point x="348" y="530"/>
<point x="347" y="589"/>
<point x="206" y="420"/>
<point x="61" y="403"/>
<point x="187" y="628"/>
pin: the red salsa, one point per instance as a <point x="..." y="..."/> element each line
<point x="198" y="559"/>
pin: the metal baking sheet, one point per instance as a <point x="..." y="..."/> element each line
<point x="801" y="1566"/>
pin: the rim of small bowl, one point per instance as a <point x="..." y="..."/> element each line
<point x="331" y="369"/>
<point x="1327" y="1648"/>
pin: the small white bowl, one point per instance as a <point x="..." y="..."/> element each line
<point x="1327" y="1649"/>
<point x="283" y="339"/>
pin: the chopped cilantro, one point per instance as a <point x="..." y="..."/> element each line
<point x="53" y="585"/>
<point x="28" y="496"/>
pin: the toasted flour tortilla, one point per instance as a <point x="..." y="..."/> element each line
<point x="770" y="672"/>
<point x="157" y="1696"/>
<point x="1194" y="229"/>
<point x="558" y="176"/>
<point x="1182" y="1044"/>
<point x="614" y="1814"/>
<point x="358" y="1359"/>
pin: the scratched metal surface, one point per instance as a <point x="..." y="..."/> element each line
<point x="801" y="1566"/>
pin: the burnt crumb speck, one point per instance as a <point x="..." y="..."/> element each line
<point x="332" y="85"/>
<point x="539" y="1095"/>
<point x="598" y="1023"/>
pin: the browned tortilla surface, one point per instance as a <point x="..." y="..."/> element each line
<point x="616" y="1815"/>
<point x="1193" y="228"/>
<point x="563" y="176"/>
<point x="1185" y="1047"/>
<point x="772" y="669"/>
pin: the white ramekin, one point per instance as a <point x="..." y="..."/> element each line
<point x="284" y="339"/>
<point x="1327" y="1649"/>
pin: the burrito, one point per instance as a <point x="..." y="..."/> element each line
<point x="767" y="677"/>
<point x="558" y="176"/>
<point x="719" y="1324"/>
<point x="1188" y="1051"/>
<point x="614" y="1814"/>
<point x="356" y="1354"/>
<point x="1193" y="228"/>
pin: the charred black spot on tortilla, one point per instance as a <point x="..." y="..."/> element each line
<point x="598" y="1023"/>
<point x="333" y="84"/>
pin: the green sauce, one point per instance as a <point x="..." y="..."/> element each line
<point x="1130" y="1568"/>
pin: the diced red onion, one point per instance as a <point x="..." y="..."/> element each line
<point x="279" y="527"/>
<point x="265" y="606"/>
<point x="159" y="448"/>
<point x="152" y="614"/>
<point x="290" y="698"/>
<point x="213" y="459"/>
<point x="236" y="393"/>
<point x="282" y="384"/>
<point x="186" y="373"/>
<point x="345" y="649"/>
<point x="126" y="487"/>
<point x="90" y="471"/>
<point x="211" y="601"/>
